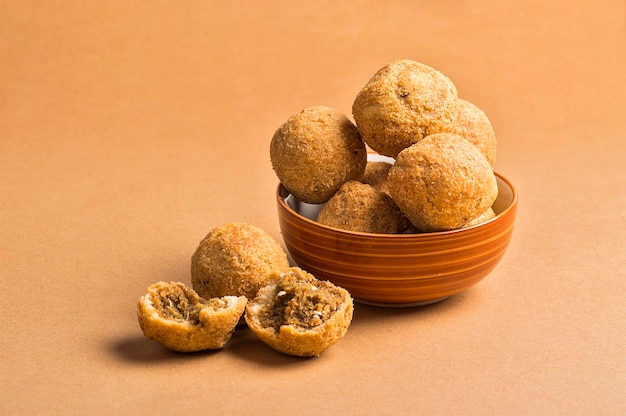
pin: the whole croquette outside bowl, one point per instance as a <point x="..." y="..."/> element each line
<point x="397" y="269"/>
<point x="235" y="259"/>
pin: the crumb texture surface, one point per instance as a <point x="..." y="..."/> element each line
<point x="315" y="151"/>
<point x="442" y="182"/>
<point x="235" y="259"/>
<point x="299" y="314"/>
<point x="402" y="103"/>
<point x="176" y="317"/>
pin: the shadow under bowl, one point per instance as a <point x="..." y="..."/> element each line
<point x="397" y="269"/>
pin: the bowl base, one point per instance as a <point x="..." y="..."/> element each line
<point x="400" y="305"/>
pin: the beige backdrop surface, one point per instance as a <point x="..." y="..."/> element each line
<point x="129" y="129"/>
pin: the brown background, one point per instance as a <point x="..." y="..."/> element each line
<point x="129" y="129"/>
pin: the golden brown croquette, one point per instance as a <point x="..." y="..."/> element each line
<point x="235" y="259"/>
<point x="402" y="103"/>
<point x="315" y="152"/>
<point x="485" y="216"/>
<point x="361" y="207"/>
<point x="473" y="124"/>
<point x="442" y="182"/>
<point x="376" y="175"/>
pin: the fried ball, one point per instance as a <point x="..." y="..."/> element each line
<point x="485" y="216"/>
<point x="361" y="207"/>
<point x="442" y="182"/>
<point x="315" y="151"/>
<point x="402" y="103"/>
<point x="300" y="315"/>
<point x="177" y="318"/>
<point x="376" y="175"/>
<point x="235" y="259"/>
<point x="473" y="124"/>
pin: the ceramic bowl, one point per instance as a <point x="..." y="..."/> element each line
<point x="397" y="269"/>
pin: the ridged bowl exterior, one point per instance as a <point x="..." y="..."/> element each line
<point x="399" y="269"/>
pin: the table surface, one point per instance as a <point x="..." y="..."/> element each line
<point x="129" y="130"/>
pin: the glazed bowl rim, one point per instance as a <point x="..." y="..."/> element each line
<point x="281" y="190"/>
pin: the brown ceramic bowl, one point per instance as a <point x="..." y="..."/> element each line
<point x="397" y="269"/>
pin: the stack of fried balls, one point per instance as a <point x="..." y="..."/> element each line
<point x="442" y="148"/>
<point x="440" y="177"/>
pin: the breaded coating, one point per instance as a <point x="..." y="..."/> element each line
<point x="177" y="318"/>
<point x="376" y="175"/>
<point x="235" y="259"/>
<point x="473" y="124"/>
<point x="361" y="207"/>
<point x="315" y="152"/>
<point x="485" y="216"/>
<point x="300" y="315"/>
<point x="442" y="182"/>
<point x="402" y="103"/>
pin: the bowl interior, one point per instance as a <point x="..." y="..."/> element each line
<point x="397" y="269"/>
<point x="505" y="199"/>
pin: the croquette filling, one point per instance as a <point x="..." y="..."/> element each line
<point x="179" y="303"/>
<point x="301" y="304"/>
